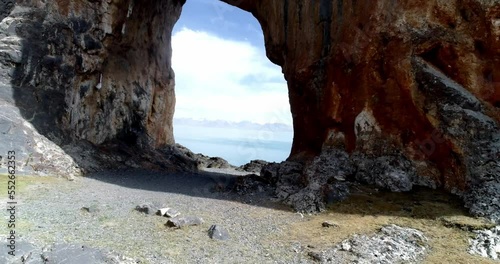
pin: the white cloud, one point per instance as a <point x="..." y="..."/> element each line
<point x="225" y="79"/>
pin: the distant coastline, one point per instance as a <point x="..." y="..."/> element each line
<point x="236" y="142"/>
<point x="228" y="124"/>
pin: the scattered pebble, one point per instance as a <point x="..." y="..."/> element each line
<point x="91" y="209"/>
<point x="168" y="212"/>
<point x="146" y="208"/>
<point x="26" y="257"/>
<point x="345" y="246"/>
<point x="218" y="232"/>
<point x="171" y="213"/>
<point x="44" y="257"/>
<point x="329" y="224"/>
<point x="162" y="211"/>
<point x="315" y="256"/>
<point x="179" y="222"/>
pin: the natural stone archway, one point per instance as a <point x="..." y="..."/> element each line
<point x="392" y="93"/>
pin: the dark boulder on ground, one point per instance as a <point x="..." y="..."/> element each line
<point x="310" y="187"/>
<point x="254" y="166"/>
<point x="203" y="161"/>
<point x="251" y="183"/>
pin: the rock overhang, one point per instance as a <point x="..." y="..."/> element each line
<point x="400" y="86"/>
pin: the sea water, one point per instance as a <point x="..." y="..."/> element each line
<point x="236" y="145"/>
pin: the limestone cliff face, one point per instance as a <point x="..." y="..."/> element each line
<point x="392" y="93"/>
<point x="90" y="75"/>
<point x="102" y="67"/>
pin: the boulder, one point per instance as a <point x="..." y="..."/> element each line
<point x="217" y="232"/>
<point x="168" y="212"/>
<point x="254" y="166"/>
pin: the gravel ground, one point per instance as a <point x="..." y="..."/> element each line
<point x="52" y="222"/>
<point x="53" y="213"/>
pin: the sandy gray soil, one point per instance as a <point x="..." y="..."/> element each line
<point x="52" y="224"/>
<point x="52" y="213"/>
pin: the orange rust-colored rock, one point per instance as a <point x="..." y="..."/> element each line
<point x="341" y="58"/>
<point x="392" y="82"/>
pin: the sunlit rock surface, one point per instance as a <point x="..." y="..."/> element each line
<point x="408" y="90"/>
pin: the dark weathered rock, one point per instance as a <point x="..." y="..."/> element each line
<point x="217" y="232"/>
<point x="146" y="208"/>
<point x="204" y="161"/>
<point x="395" y="172"/>
<point x="329" y="224"/>
<point x="179" y="222"/>
<point x="483" y="200"/>
<point x="252" y="183"/>
<point x="77" y="45"/>
<point x="316" y="256"/>
<point x="54" y="54"/>
<point x="216" y="163"/>
<point x="116" y="155"/>
<point x="270" y="172"/>
<point x="254" y="166"/>
<point x="309" y="188"/>
<point x="34" y="153"/>
<point x="336" y="192"/>
<point x="286" y="173"/>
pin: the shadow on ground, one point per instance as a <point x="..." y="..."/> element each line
<point x="209" y="185"/>
<point x="420" y="203"/>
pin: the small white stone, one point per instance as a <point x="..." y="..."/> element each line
<point x="345" y="246"/>
<point x="171" y="213"/>
<point x="163" y="211"/>
<point x="99" y="85"/>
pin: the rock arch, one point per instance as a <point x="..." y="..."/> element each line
<point x="408" y="89"/>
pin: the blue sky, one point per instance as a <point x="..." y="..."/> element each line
<point x="222" y="72"/>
